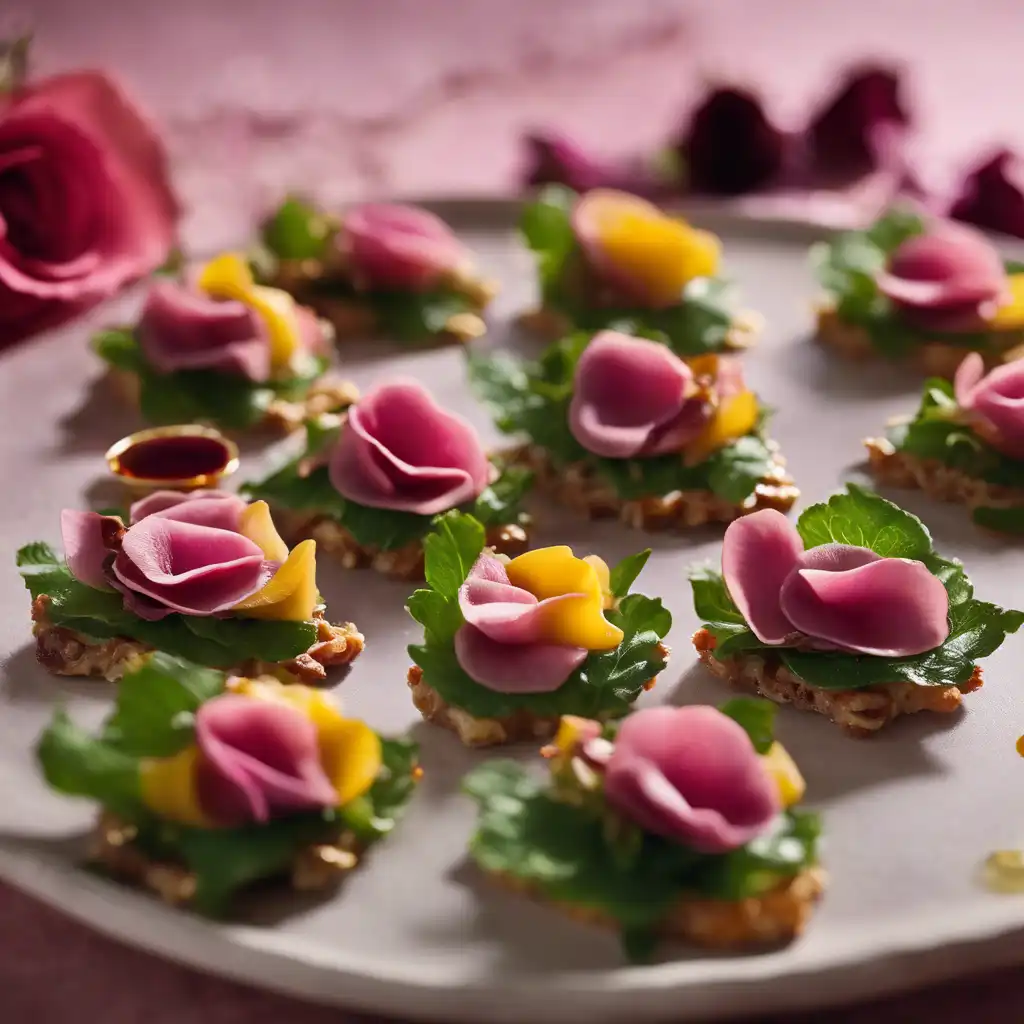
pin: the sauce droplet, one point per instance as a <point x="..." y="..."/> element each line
<point x="1020" y="746"/>
<point x="174" y="458"/>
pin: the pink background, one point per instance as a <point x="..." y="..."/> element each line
<point x="347" y="99"/>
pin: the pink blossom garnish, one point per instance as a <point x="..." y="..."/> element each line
<point x="995" y="401"/>
<point x="992" y="195"/>
<point x="835" y="595"/>
<point x="692" y="775"/>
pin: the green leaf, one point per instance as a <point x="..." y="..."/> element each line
<point x="734" y="472"/>
<point x="297" y="230"/>
<point x="395" y="783"/>
<point x="756" y="716"/>
<point x="560" y="851"/>
<point x="546" y="227"/>
<point x="439" y="615"/>
<point x="720" y="616"/>
<point x="37" y="553"/>
<point x="865" y="519"/>
<point x="118" y="347"/>
<point x="1005" y="520"/>
<point x="450" y="551"/>
<point x="624" y="575"/>
<point x="75" y="763"/>
<point x="501" y="501"/>
<point x="155" y="706"/>
<point x="893" y="228"/>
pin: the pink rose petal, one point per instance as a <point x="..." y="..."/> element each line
<point x="759" y="552"/>
<point x="258" y="760"/>
<point x="84" y="550"/>
<point x="187" y="568"/>
<point x="887" y="607"/>
<point x="996" y="399"/>
<point x="630" y="398"/>
<point x="512" y="667"/>
<point x="692" y="775"/>
<point x="400" y="450"/>
<point x="181" y="329"/>
<point x="992" y="195"/>
<point x="218" y="509"/>
<point x="400" y="247"/>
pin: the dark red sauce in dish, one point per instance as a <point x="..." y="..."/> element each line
<point x="174" y="458"/>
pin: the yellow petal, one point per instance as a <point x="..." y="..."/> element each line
<point x="350" y="751"/>
<point x="1011" y="314"/>
<point x="169" y="788"/>
<point x="291" y="595"/>
<point x="604" y="579"/>
<point x="705" y="365"/>
<point x="573" y="730"/>
<point x="661" y="254"/>
<point x="257" y="524"/>
<point x="787" y="776"/>
<point x="735" y="418"/>
<point x="228" y="277"/>
<point x="579" y="622"/>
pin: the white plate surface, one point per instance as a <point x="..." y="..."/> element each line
<point x="416" y="932"/>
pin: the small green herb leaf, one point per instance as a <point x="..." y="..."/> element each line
<point x="450" y="551"/>
<point x="756" y="716"/>
<point x="297" y="230"/>
<point x="624" y="575"/>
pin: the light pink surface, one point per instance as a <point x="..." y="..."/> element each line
<point x="349" y="99"/>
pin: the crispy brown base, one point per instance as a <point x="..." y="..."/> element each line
<point x="776" y="916"/>
<point x="551" y="325"/>
<point x="939" y="481"/>
<point x="580" y="488"/>
<point x="404" y="563"/>
<point x="328" y="394"/>
<point x="934" y="358"/>
<point x="352" y="319"/>
<point x="66" y="653"/>
<point x="314" y="867"/>
<point x="486" y="732"/>
<point x="859" y="713"/>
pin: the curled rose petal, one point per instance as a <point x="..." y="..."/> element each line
<point x="181" y="329"/>
<point x="401" y="247"/>
<point x="84" y="549"/>
<point x="692" y="775"/>
<point x="995" y="400"/>
<point x="515" y="668"/>
<point x="187" y="568"/>
<point x="844" y="136"/>
<point x="945" y="268"/>
<point x="888" y="607"/>
<point x="730" y="146"/>
<point x="217" y="509"/>
<point x="400" y="450"/>
<point x="630" y="398"/>
<point x="759" y="552"/>
<point x="992" y="195"/>
<point x="258" y="760"/>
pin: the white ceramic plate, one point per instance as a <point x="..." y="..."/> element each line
<point x="416" y="932"/>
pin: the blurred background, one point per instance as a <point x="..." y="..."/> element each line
<point x="349" y="98"/>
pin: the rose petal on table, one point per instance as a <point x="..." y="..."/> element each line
<point x="886" y="607"/>
<point x="759" y="552"/>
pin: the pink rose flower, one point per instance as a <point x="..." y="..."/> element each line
<point x="181" y="553"/>
<point x="398" y="247"/>
<point x="634" y="398"/>
<point x="992" y="195"/>
<point x="691" y="775"/>
<point x="835" y="596"/>
<point x="400" y="450"/>
<point x="500" y="645"/>
<point x="994" y="401"/>
<point x="258" y="760"/>
<point x="945" y="278"/>
<point x="85" y="205"/>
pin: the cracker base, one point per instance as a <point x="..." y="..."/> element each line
<point x="65" y="652"/>
<point x="580" y="488"/>
<point x="859" y="713"/>
<point x="775" y="917"/>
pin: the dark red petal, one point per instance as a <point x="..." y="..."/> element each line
<point x="992" y="195"/>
